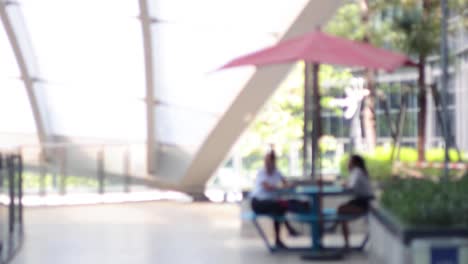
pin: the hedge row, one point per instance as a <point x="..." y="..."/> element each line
<point x="380" y="167"/>
<point x="426" y="203"/>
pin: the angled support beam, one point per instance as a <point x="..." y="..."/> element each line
<point x="249" y="101"/>
<point x="30" y="81"/>
<point x="146" y="22"/>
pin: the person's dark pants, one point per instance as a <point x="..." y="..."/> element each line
<point x="271" y="207"/>
<point x="278" y="208"/>
<point x="358" y="205"/>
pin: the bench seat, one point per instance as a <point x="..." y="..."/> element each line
<point x="329" y="215"/>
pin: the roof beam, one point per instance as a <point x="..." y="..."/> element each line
<point x="249" y="101"/>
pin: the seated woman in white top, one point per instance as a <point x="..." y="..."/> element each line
<point x="359" y="184"/>
<point x="264" y="196"/>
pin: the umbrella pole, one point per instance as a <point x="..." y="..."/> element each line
<point x="306" y="118"/>
<point x="316" y="133"/>
<point x="316" y="122"/>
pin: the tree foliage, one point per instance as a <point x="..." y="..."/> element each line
<point x="347" y="23"/>
<point x="281" y="120"/>
<point x="395" y="24"/>
<point x="416" y="23"/>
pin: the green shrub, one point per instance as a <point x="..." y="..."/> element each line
<point x="380" y="168"/>
<point x="438" y="155"/>
<point x="425" y="203"/>
<point x="378" y="163"/>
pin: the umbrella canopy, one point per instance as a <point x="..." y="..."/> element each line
<point x="319" y="47"/>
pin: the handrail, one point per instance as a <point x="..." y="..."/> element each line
<point x="64" y="171"/>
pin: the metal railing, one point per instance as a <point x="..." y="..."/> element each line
<point x="91" y="168"/>
<point x="11" y="206"/>
<point x="86" y="173"/>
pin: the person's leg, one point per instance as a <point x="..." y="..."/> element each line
<point x="275" y="209"/>
<point x="348" y="209"/>
<point x="278" y="209"/>
<point x="345" y="227"/>
<point x="291" y="230"/>
<point x="295" y="206"/>
<point x="277" y="228"/>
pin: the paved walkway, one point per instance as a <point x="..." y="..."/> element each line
<point x="153" y="232"/>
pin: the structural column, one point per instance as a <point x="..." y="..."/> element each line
<point x="146" y="22"/>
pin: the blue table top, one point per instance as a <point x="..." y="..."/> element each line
<point x="314" y="190"/>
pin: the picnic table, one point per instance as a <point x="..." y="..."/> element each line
<point x="315" y="217"/>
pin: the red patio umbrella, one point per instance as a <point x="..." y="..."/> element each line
<point x="317" y="47"/>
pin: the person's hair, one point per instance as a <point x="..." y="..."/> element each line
<point x="358" y="161"/>
<point x="272" y="157"/>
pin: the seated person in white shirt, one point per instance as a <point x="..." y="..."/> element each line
<point x="360" y="185"/>
<point x="264" y="200"/>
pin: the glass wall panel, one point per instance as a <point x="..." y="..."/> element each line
<point x="22" y="34"/>
<point x="8" y="66"/>
<point x="15" y="111"/>
<point x="451" y="121"/>
<point x="192" y="96"/>
<point x="240" y="16"/>
<point x="410" y="128"/>
<point x="182" y="126"/>
<point x="383" y="125"/>
<point x="95" y="114"/>
<point x="186" y="59"/>
<point x="92" y="69"/>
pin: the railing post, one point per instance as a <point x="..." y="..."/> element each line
<point x="100" y="170"/>
<point x="42" y="173"/>
<point x="127" y="168"/>
<point x="11" y="188"/>
<point x="54" y="171"/>
<point x="2" y="169"/>
<point x="19" y="174"/>
<point x="63" y="172"/>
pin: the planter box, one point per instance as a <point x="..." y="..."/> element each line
<point x="394" y="243"/>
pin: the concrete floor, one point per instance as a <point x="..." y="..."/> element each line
<point x="153" y="232"/>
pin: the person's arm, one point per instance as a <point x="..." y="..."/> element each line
<point x="351" y="182"/>
<point x="269" y="187"/>
<point x="285" y="183"/>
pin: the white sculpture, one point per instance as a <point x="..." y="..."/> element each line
<point x="355" y="94"/>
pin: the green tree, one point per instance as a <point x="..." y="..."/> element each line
<point x="411" y="26"/>
<point x="417" y="24"/>
<point x="281" y="120"/>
